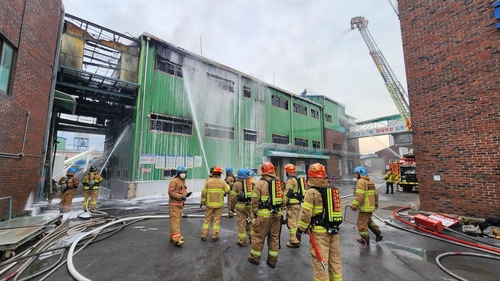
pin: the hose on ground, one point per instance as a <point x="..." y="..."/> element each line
<point x="438" y="258"/>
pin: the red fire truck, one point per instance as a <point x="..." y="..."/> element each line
<point x="405" y="170"/>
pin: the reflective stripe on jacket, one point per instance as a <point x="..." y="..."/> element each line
<point x="366" y="195"/>
<point x="312" y="206"/>
<point x="291" y="184"/>
<point x="260" y="195"/>
<point x="91" y="177"/>
<point x="176" y="189"/>
<point x="213" y="192"/>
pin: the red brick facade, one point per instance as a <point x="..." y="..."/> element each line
<point x="452" y="57"/>
<point x="31" y="27"/>
<point x="332" y="164"/>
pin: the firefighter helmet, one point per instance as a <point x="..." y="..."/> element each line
<point x="242" y="173"/>
<point x="290" y="168"/>
<point x="317" y="171"/>
<point x="217" y="170"/>
<point x="181" y="169"/>
<point x="250" y="172"/>
<point x="71" y="171"/>
<point x="229" y="170"/>
<point x="362" y="171"/>
<point x="267" y="168"/>
<point x="93" y="169"/>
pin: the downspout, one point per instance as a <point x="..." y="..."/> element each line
<point x="55" y="66"/>
<point x="142" y="108"/>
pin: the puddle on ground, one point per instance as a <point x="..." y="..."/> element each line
<point x="416" y="253"/>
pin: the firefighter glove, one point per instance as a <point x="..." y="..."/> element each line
<point x="189" y="194"/>
<point x="354" y="207"/>
<point x="183" y="198"/>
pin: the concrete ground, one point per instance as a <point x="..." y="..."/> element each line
<point x="141" y="251"/>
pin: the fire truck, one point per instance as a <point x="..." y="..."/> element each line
<point x="405" y="171"/>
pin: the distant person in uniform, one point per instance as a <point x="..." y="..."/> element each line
<point x="389" y="177"/>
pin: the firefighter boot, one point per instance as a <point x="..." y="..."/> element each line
<point x="363" y="240"/>
<point x="376" y="230"/>
<point x="271" y="262"/>
<point x="179" y="242"/>
<point x="253" y="260"/>
<point x="292" y="245"/>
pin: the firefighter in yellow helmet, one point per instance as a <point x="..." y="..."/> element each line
<point x="212" y="196"/>
<point x="366" y="200"/>
<point x="292" y="202"/>
<point x="243" y="187"/>
<point x="68" y="185"/>
<point x="267" y="204"/>
<point x="325" y="235"/>
<point x="91" y="188"/>
<point x="231" y="198"/>
<point x="177" y="194"/>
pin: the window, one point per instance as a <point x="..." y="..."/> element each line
<point x="118" y="173"/>
<point x="6" y="62"/>
<point x="169" y="124"/>
<point x="249" y="135"/>
<point x="301" y="142"/>
<point x="167" y="66"/>
<point x="247" y="92"/>
<point x="168" y="174"/>
<point x="299" y="109"/>
<point x="314" y="114"/>
<point x="222" y="83"/>
<point x="279" y="102"/>
<point x="281" y="139"/>
<point x="219" y="131"/>
<point x="341" y="122"/>
<point x="351" y="148"/>
<point x="328" y="118"/>
<point x="337" y="146"/>
<point x="316" y="144"/>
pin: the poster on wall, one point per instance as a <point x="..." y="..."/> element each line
<point x="147" y="159"/>
<point x="180" y="161"/>
<point x="197" y="161"/>
<point x="189" y="162"/>
<point x="160" y="161"/>
<point x="146" y="170"/>
<point x="170" y="162"/>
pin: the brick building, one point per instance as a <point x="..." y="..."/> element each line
<point x="28" y="48"/>
<point x="452" y="57"/>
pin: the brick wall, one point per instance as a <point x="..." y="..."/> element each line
<point x="34" y="36"/>
<point x="452" y="57"/>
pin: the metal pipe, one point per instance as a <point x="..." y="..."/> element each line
<point x="142" y="109"/>
<point x="10" y="205"/>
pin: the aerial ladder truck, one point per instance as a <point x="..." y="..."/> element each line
<point x="405" y="168"/>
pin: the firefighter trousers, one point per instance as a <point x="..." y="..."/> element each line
<point x="230" y="204"/>
<point x="243" y="218"/>
<point x="365" y="222"/>
<point x="329" y="248"/>
<point x="92" y="193"/>
<point x="292" y="217"/>
<point x="214" y="214"/>
<point x="66" y="201"/>
<point x="175" y="214"/>
<point x="266" y="227"/>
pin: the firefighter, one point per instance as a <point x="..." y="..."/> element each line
<point x="243" y="187"/>
<point x="251" y="176"/>
<point x="91" y="188"/>
<point x="292" y="202"/>
<point x="389" y="177"/>
<point x="366" y="200"/>
<point x="232" y="195"/>
<point x="212" y="196"/>
<point x="68" y="185"/>
<point x="177" y="194"/>
<point x="267" y="200"/>
<point x="210" y="175"/>
<point x="326" y="237"/>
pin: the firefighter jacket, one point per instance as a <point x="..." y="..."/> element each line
<point x="71" y="182"/>
<point x="389" y="177"/>
<point x="366" y="199"/>
<point x="238" y="188"/>
<point x="91" y="181"/>
<point x="176" y="189"/>
<point x="291" y="184"/>
<point x="261" y="195"/>
<point x="230" y="181"/>
<point x="213" y="191"/>
<point x="312" y="206"/>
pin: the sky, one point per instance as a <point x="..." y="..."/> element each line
<point x="292" y="44"/>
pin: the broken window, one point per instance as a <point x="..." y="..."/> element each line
<point x="219" y="131"/>
<point x="170" y="124"/>
<point x="247" y="92"/>
<point x="222" y="83"/>
<point x="249" y="135"/>
<point x="167" y="66"/>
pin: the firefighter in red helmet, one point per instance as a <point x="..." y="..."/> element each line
<point x="292" y="202"/>
<point x="325" y="235"/>
<point x="267" y="204"/>
<point x="212" y="195"/>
